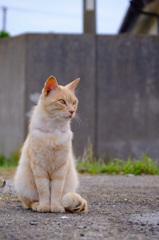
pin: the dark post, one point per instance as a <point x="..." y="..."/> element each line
<point x="89" y="16"/>
<point x="4" y="21"/>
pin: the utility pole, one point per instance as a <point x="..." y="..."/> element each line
<point x="89" y="16"/>
<point x="4" y="18"/>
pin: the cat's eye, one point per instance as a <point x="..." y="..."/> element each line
<point x="74" y="102"/>
<point x="62" y="101"/>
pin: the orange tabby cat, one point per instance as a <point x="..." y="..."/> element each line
<point x="46" y="179"/>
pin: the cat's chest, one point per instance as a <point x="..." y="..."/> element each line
<point x="62" y="137"/>
<point x="50" y="150"/>
<point x="53" y="139"/>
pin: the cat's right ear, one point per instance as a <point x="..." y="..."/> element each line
<point x="50" y="85"/>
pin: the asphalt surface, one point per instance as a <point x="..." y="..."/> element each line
<point x="120" y="208"/>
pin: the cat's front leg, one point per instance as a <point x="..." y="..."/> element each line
<point x="43" y="187"/>
<point x="57" y="185"/>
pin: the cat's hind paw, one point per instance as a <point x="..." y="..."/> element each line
<point x="57" y="208"/>
<point x="73" y="202"/>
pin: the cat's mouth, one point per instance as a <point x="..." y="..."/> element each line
<point x="70" y="116"/>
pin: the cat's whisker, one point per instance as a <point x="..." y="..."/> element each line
<point x="54" y="116"/>
<point x="81" y="116"/>
<point x="78" y="120"/>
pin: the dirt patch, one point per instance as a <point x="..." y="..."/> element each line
<point x="7" y="174"/>
<point x="120" y="207"/>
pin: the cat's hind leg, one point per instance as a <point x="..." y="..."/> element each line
<point x="29" y="204"/>
<point x="71" y="179"/>
<point x="73" y="202"/>
<point x="25" y="201"/>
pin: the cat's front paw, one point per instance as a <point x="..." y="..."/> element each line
<point x="43" y="208"/>
<point x="57" y="208"/>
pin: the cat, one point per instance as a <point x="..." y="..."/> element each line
<point x="46" y="178"/>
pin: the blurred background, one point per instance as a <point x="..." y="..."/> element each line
<point x="23" y="16"/>
<point x="111" y="45"/>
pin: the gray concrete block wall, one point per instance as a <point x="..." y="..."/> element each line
<point x="118" y="93"/>
<point x="12" y="94"/>
<point x="128" y="90"/>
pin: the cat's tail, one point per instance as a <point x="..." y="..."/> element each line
<point x="73" y="202"/>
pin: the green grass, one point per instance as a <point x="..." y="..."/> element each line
<point x="118" y="166"/>
<point x="89" y="164"/>
<point x="9" y="162"/>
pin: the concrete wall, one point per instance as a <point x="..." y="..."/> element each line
<point x="12" y="94"/>
<point x="118" y="93"/>
<point x="128" y="90"/>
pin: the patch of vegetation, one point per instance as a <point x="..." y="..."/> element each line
<point x="89" y="164"/>
<point x="4" y="34"/>
<point x="9" y="162"/>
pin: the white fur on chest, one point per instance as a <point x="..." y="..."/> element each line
<point x="53" y="132"/>
<point x="54" y="137"/>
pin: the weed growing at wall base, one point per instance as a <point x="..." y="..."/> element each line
<point x="118" y="166"/>
<point x="89" y="164"/>
<point x="9" y="162"/>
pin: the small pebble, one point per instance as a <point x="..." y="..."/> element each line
<point x="130" y="175"/>
<point x="33" y="223"/>
<point x="81" y="227"/>
<point x="64" y="217"/>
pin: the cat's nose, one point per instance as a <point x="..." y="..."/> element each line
<point x="71" y="112"/>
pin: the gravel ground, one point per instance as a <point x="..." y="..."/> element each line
<point x="120" y="207"/>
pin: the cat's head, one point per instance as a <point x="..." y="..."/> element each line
<point x="59" y="101"/>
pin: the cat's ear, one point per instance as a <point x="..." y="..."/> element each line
<point x="50" y="85"/>
<point x="73" y="84"/>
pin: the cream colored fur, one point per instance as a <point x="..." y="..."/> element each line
<point x="46" y="178"/>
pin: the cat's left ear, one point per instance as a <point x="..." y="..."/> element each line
<point x="73" y="84"/>
<point x="50" y="85"/>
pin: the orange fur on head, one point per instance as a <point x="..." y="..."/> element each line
<point x="50" y="85"/>
<point x="73" y="84"/>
